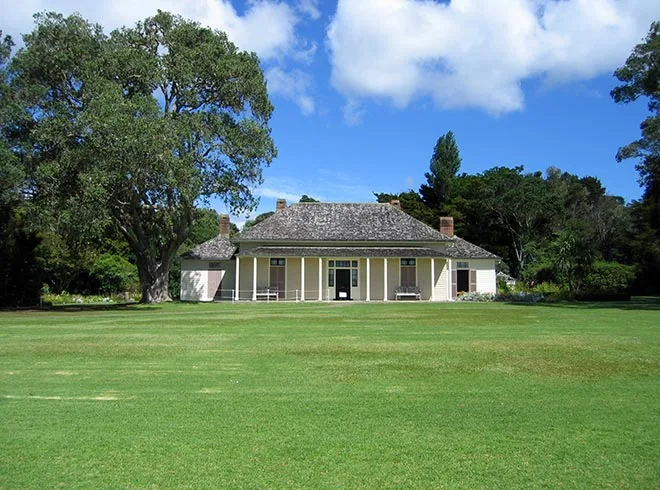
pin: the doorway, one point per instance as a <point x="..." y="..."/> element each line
<point x="343" y="284"/>
<point x="462" y="281"/>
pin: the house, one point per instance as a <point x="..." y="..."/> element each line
<point x="337" y="251"/>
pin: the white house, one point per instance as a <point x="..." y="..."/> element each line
<point x="337" y="251"/>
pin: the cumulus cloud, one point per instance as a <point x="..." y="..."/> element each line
<point x="476" y="53"/>
<point x="310" y="7"/>
<point x="292" y="85"/>
<point x="267" y="27"/>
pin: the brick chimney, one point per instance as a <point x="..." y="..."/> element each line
<point x="280" y="206"/>
<point x="396" y="203"/>
<point x="447" y="225"/>
<point x="225" y="225"/>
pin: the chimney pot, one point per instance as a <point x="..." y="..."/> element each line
<point x="281" y="205"/>
<point x="225" y="225"/>
<point x="396" y="203"/>
<point x="447" y="225"/>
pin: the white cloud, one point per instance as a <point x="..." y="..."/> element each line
<point x="310" y="7"/>
<point x="353" y="112"/>
<point x="267" y="27"/>
<point x="476" y="53"/>
<point x="293" y="85"/>
<point x="277" y="193"/>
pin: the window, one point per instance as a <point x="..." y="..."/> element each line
<point x="277" y="262"/>
<point x="408" y="272"/>
<point x="334" y="265"/>
<point x="462" y="265"/>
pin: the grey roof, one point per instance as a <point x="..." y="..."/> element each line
<point x="341" y="252"/>
<point x="456" y="249"/>
<point x="218" y="248"/>
<point x="329" y="222"/>
<point x="462" y="249"/>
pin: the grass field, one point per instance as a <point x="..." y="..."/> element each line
<point x="332" y="396"/>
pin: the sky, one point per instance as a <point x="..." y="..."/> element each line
<point x="362" y="89"/>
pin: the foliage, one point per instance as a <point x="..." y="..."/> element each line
<point x="640" y="77"/>
<point x="412" y="204"/>
<point x="66" y="298"/>
<point x="306" y="198"/>
<point x="609" y="279"/>
<point x="115" y="274"/>
<point x="444" y="166"/>
<point x="573" y="261"/>
<point x="136" y="127"/>
<point x="475" y="297"/>
<point x="251" y="222"/>
<point x="519" y="297"/>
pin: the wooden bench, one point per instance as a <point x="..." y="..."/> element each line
<point x="407" y="292"/>
<point x="268" y="293"/>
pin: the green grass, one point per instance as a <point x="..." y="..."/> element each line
<point x="332" y="396"/>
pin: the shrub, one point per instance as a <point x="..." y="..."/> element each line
<point x="474" y="296"/>
<point x="520" y="297"/>
<point x="608" y="281"/>
<point x="115" y="274"/>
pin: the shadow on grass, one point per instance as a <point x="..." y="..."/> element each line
<point x="136" y="307"/>
<point x="638" y="303"/>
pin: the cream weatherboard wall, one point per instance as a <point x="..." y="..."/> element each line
<point x="486" y="273"/>
<point x="200" y="279"/>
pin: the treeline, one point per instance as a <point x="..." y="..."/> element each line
<point x="549" y="228"/>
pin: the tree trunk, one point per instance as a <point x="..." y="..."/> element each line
<point x="154" y="280"/>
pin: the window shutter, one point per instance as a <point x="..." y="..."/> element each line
<point x="454" y="286"/>
<point x="473" y="280"/>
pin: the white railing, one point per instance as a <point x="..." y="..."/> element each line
<point x="272" y="295"/>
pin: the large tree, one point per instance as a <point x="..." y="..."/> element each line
<point x="641" y="78"/>
<point x="139" y="126"/>
<point x="445" y="163"/>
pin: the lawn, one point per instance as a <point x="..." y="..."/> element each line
<point x="331" y="396"/>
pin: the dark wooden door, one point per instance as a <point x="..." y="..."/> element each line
<point x="278" y="280"/>
<point x="343" y="284"/>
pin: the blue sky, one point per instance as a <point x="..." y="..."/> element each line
<point x="363" y="88"/>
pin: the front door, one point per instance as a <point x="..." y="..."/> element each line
<point x="278" y="277"/>
<point x="462" y="280"/>
<point x="343" y="284"/>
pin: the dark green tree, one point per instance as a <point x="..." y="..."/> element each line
<point x="412" y="204"/>
<point x="445" y="164"/>
<point x="258" y="219"/>
<point x="136" y="127"/>
<point x="306" y="198"/>
<point x="640" y="77"/>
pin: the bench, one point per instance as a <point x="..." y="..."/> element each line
<point x="267" y="294"/>
<point x="407" y="292"/>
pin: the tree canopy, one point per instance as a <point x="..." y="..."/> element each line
<point x="137" y="127"/>
<point x="640" y="77"/>
<point x="445" y="164"/>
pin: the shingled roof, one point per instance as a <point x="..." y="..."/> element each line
<point x="462" y="249"/>
<point x="218" y="248"/>
<point x="353" y="222"/>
